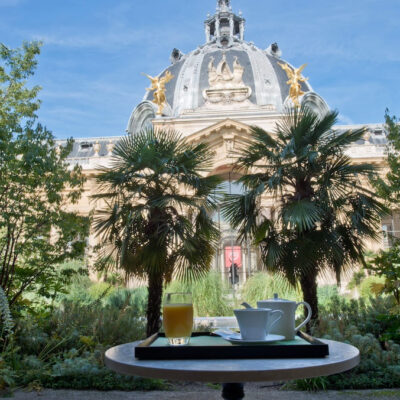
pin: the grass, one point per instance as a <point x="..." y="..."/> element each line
<point x="264" y="285"/>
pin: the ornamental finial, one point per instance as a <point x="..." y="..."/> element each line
<point x="223" y="5"/>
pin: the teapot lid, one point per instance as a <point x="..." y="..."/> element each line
<point x="276" y="298"/>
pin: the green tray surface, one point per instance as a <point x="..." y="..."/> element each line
<point x="210" y="341"/>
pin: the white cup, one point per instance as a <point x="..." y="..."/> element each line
<point x="256" y="323"/>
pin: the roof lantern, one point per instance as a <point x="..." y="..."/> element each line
<point x="224" y="26"/>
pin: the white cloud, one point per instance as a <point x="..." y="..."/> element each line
<point x="345" y="120"/>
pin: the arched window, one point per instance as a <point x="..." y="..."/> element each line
<point x="230" y="187"/>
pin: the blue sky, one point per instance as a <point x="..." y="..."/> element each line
<point x="95" y="51"/>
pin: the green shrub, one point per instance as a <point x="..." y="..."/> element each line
<point x="365" y="286"/>
<point x="209" y="295"/>
<point x="63" y="328"/>
<point x="103" y="380"/>
<point x="263" y="285"/>
<point x="71" y="371"/>
<point x="6" y="321"/>
<point x="134" y="298"/>
<point x="100" y="290"/>
<point x="358" y="322"/>
<point x="356" y="280"/>
<point x="310" y="385"/>
<point x="7" y="375"/>
<point x="63" y="346"/>
<point x="326" y="292"/>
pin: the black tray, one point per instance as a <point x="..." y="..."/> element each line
<point x="156" y="348"/>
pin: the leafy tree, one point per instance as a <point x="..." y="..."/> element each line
<point x="322" y="212"/>
<point x="387" y="265"/>
<point x="389" y="187"/>
<point x="36" y="233"/>
<point x="156" y="221"/>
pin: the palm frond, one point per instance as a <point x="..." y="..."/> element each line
<point x="157" y="204"/>
<point x="302" y="215"/>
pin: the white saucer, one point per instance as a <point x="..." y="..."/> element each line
<point x="237" y="338"/>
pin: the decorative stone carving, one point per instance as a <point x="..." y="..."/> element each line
<point x="229" y="145"/>
<point x="367" y="136"/>
<point x="226" y="86"/>
<point x="96" y="148"/>
<point x="110" y="147"/>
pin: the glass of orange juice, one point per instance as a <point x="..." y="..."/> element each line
<point x="178" y="318"/>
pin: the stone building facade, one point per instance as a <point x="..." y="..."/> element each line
<point x="218" y="91"/>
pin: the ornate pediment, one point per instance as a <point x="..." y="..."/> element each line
<point x="224" y="138"/>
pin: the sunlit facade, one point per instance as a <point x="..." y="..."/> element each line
<point x="216" y="93"/>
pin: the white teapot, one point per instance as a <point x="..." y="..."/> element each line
<point x="286" y="325"/>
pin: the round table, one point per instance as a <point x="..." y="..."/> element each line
<point x="342" y="358"/>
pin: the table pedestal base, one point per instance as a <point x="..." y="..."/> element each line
<point x="233" y="391"/>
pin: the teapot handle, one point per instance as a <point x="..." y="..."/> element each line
<point x="308" y="315"/>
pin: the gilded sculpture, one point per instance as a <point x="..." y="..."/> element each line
<point x="158" y="86"/>
<point x="294" y="76"/>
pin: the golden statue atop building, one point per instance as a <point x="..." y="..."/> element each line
<point x="294" y="76"/>
<point x="158" y="85"/>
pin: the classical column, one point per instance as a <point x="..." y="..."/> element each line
<point x="208" y="33"/>
<point x="241" y="30"/>
<point x="217" y="30"/>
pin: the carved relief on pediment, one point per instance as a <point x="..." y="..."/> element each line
<point x="226" y="86"/>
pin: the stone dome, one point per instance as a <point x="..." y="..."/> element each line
<point x="226" y="74"/>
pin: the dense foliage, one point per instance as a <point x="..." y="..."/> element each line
<point x="361" y="323"/>
<point x="387" y="266"/>
<point x="388" y="187"/>
<point x="156" y="222"/>
<point x="61" y="346"/>
<point x="322" y="213"/>
<point x="36" y="233"/>
<point x="210" y="295"/>
<point x="262" y="286"/>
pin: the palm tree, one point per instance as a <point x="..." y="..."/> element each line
<point x="156" y="221"/>
<point x="322" y="213"/>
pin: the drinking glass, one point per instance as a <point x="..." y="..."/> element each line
<point x="178" y="318"/>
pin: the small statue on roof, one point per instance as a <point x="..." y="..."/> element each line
<point x="294" y="76"/>
<point x="158" y="86"/>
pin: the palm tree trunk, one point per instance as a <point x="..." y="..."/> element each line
<point x="308" y="284"/>
<point x="154" y="303"/>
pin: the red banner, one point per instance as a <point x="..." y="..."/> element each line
<point x="233" y="253"/>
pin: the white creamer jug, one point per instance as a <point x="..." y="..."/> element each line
<point x="286" y="325"/>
